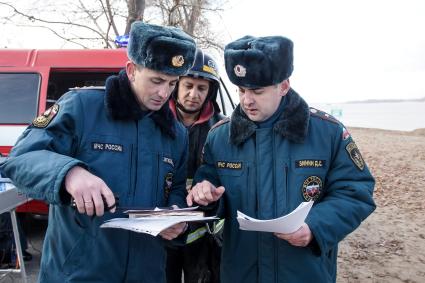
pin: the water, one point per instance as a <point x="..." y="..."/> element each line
<point x="402" y="116"/>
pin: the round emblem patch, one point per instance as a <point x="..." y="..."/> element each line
<point x="240" y="71"/>
<point x="312" y="188"/>
<point x="177" y="61"/>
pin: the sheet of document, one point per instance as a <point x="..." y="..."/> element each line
<point x="152" y="225"/>
<point x="286" y="224"/>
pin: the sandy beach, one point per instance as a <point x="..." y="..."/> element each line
<point x="390" y="245"/>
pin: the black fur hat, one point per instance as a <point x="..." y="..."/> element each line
<point x="167" y="50"/>
<point x="255" y="62"/>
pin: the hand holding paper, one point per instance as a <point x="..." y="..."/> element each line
<point x="285" y="224"/>
<point x="300" y="238"/>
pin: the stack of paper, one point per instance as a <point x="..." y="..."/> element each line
<point x="285" y="224"/>
<point x="154" y="221"/>
<point x="158" y="212"/>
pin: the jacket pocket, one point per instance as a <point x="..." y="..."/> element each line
<point x="74" y="260"/>
<point x="239" y="182"/>
<point x="110" y="158"/>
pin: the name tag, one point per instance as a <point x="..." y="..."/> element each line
<point x="229" y="165"/>
<point x="310" y="163"/>
<point x="107" y="147"/>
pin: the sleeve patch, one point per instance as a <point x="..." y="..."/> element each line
<point x="355" y="155"/>
<point x="44" y="119"/>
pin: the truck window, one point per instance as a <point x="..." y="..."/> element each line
<point x="18" y="97"/>
<point x="61" y="81"/>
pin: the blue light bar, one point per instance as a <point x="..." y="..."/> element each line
<point x="121" y="40"/>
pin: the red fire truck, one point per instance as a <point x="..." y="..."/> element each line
<point x="32" y="80"/>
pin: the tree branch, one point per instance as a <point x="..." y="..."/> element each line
<point x="111" y="17"/>
<point x="33" y="19"/>
<point x="71" y="40"/>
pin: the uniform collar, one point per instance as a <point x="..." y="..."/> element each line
<point x="121" y="104"/>
<point x="292" y="123"/>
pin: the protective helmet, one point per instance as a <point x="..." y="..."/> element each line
<point x="204" y="67"/>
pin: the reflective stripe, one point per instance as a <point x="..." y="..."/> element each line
<point x="200" y="232"/>
<point x="218" y="226"/>
<point x="197" y="234"/>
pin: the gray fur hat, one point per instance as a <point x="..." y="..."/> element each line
<point x="255" y="62"/>
<point x="167" y="50"/>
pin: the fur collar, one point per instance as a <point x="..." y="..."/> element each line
<point x="121" y="104"/>
<point x="292" y="124"/>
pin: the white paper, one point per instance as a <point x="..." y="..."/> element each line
<point x="151" y="225"/>
<point x="286" y="224"/>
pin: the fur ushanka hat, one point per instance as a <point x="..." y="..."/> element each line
<point x="255" y="62"/>
<point x="167" y="50"/>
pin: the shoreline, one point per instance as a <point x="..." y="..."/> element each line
<point x="415" y="132"/>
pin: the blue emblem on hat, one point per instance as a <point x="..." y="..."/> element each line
<point x="121" y="40"/>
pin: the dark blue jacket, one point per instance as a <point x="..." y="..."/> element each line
<point x="268" y="172"/>
<point x="137" y="155"/>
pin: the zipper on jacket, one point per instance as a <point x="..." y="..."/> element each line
<point x="274" y="242"/>
<point x="274" y="177"/>
<point x="132" y="173"/>
<point x="286" y="185"/>
<point x="157" y="187"/>
<point x="251" y="190"/>
<point x="136" y="156"/>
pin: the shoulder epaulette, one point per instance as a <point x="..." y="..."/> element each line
<point x="88" y="88"/>
<point x="323" y="115"/>
<point x="220" y="123"/>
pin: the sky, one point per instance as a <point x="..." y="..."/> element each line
<point x="343" y="50"/>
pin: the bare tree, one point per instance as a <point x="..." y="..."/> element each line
<point x="91" y="24"/>
<point x="193" y="16"/>
<point x="83" y="23"/>
<point x="136" y="9"/>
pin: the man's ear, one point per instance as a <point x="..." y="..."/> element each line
<point x="284" y="87"/>
<point x="130" y="69"/>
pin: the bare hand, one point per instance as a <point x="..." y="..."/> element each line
<point x="204" y="193"/>
<point x="300" y="238"/>
<point x="174" y="231"/>
<point x="87" y="191"/>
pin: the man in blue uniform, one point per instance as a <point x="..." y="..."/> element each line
<point x="95" y="144"/>
<point x="274" y="153"/>
<point x="193" y="102"/>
